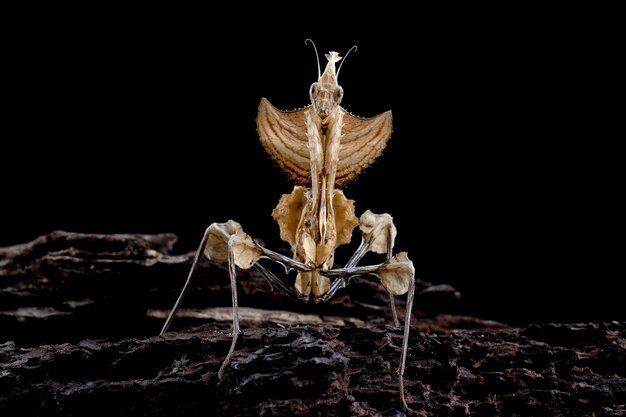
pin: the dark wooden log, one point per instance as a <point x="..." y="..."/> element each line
<point x="65" y="287"/>
<point x="79" y="316"/>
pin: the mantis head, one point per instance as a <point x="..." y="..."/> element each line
<point x="326" y="93"/>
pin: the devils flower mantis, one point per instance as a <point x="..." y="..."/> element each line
<point x="321" y="147"/>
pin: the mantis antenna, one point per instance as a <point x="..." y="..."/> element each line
<point x="317" y="56"/>
<point x="344" y="59"/>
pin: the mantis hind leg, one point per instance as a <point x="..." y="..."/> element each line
<point x="192" y="271"/>
<point x="344" y="275"/>
<point x="405" y="342"/>
<point x="236" y="329"/>
<point x="226" y="242"/>
<point x="360" y="252"/>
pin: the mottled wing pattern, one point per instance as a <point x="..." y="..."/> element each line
<point x="283" y="135"/>
<point x="362" y="142"/>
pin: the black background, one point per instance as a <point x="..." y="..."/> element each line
<point x="501" y="174"/>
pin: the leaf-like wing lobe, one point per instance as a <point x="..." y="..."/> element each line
<point x="283" y="136"/>
<point x="362" y="142"/>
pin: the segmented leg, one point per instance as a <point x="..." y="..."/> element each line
<point x="405" y="339"/>
<point x="232" y="273"/>
<point x="228" y="237"/>
<point x="192" y="271"/>
<point x="356" y="257"/>
<point x="342" y="278"/>
<point x="286" y="262"/>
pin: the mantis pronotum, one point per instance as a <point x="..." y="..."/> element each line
<point x="321" y="147"/>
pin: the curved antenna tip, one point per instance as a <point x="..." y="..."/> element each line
<point x="354" y="47"/>
<point x="317" y="56"/>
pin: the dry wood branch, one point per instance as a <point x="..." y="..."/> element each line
<point x="76" y="290"/>
<point x="65" y="287"/>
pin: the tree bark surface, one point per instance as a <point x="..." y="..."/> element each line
<point x="80" y="314"/>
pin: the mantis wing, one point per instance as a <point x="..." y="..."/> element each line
<point x="283" y="135"/>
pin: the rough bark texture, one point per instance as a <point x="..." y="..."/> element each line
<point x="79" y="315"/>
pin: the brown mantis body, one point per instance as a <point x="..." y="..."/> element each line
<point x="321" y="147"/>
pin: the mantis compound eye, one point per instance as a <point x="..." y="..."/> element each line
<point x="338" y="93"/>
<point x="313" y="89"/>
